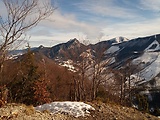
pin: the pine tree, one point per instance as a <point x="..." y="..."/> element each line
<point x="30" y="89"/>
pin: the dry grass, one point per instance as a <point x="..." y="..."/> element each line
<point x="29" y="110"/>
<point x="104" y="111"/>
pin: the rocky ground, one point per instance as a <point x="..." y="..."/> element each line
<point x="102" y="112"/>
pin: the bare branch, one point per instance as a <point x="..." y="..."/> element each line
<point x="22" y="15"/>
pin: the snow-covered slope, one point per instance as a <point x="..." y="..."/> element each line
<point x="144" y="52"/>
<point x="112" y="49"/>
<point x="151" y="63"/>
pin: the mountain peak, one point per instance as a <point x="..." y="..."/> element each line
<point x="119" y="39"/>
<point x="41" y="46"/>
<point x="73" y="43"/>
<point x="74" y="40"/>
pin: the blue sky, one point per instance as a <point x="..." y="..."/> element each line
<point x="96" y="20"/>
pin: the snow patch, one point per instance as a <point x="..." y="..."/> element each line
<point x="153" y="47"/>
<point x="14" y="56"/>
<point x="68" y="64"/>
<point x="88" y="54"/>
<point x="157" y="81"/>
<point x="147" y="57"/>
<point x="76" y="109"/>
<point x="135" y="52"/>
<point x="112" y="60"/>
<point x="112" y="49"/>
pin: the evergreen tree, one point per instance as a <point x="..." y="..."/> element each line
<point x="28" y="87"/>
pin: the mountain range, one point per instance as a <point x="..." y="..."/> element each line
<point x="143" y="52"/>
<point x="137" y="58"/>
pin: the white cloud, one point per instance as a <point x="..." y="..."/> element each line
<point x="68" y="23"/>
<point x="150" y="5"/>
<point x="133" y="30"/>
<point x="55" y="38"/>
<point x="107" y="8"/>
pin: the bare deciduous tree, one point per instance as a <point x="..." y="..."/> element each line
<point x="92" y="67"/>
<point x="125" y="81"/>
<point x="20" y="17"/>
<point x="101" y="73"/>
<point x="83" y="68"/>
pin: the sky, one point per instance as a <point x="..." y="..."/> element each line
<point x="97" y="20"/>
